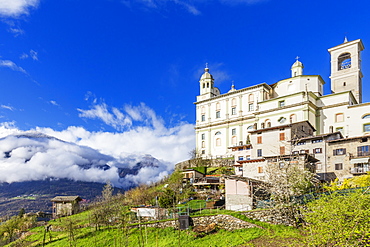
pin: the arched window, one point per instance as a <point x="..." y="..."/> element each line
<point x="262" y="125"/>
<point x="251" y="127"/>
<point x="250" y="98"/>
<point x="203" y="145"/>
<point x="218" y="142"/>
<point x="293" y="118"/>
<point x="267" y="123"/>
<point x="344" y="61"/>
<point x="218" y="107"/>
<point x="233" y="140"/>
<point x="233" y="102"/>
<point x="330" y="129"/>
<point x="217" y="133"/>
<point x="366" y="116"/>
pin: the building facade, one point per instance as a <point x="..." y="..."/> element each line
<point x="226" y="120"/>
<point x="262" y="120"/>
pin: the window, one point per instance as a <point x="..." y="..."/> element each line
<point x="259" y="139"/>
<point x="233" y="140"/>
<point x="259" y="152"/>
<point x="301" y="143"/>
<point x="233" y="132"/>
<point x="251" y="127"/>
<point x="240" y="158"/>
<point x="366" y="127"/>
<point x="218" y="107"/>
<point x="262" y="125"/>
<point x="203" y="145"/>
<point x="366" y="116"/>
<point x="233" y="102"/>
<point x="339" y="117"/>
<point x="203" y="136"/>
<point x="339" y="129"/>
<point x="363" y="151"/>
<point x="339" y="151"/>
<point x="316" y="141"/>
<point x="281" y="164"/>
<point x="282" y="150"/>
<point x="260" y="169"/>
<point x="268" y="124"/>
<point x="250" y="98"/>
<point x="318" y="166"/>
<point x="344" y="61"/>
<point x="281" y="136"/>
<point x="233" y="111"/>
<point x="330" y="129"/>
<point x="250" y="107"/>
<point x="303" y="151"/>
<point x="282" y="120"/>
<point x="339" y="166"/>
<point x="217" y="133"/>
<point x="218" y="142"/>
<point x="248" y="157"/>
<point x="218" y="114"/>
<point x="282" y="103"/>
<point x="293" y="118"/>
<point x="203" y="152"/>
<point x="203" y="117"/>
<point x="317" y="150"/>
<point x="295" y="152"/>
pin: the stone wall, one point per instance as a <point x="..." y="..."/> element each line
<point x="226" y="222"/>
<point x="269" y="215"/>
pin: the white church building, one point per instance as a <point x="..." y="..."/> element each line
<point x="235" y="118"/>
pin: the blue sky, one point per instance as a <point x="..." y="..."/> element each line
<point x="124" y="66"/>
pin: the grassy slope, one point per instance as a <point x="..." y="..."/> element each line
<point x="84" y="235"/>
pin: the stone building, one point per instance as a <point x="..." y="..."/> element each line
<point x="65" y="205"/>
<point x="348" y="157"/>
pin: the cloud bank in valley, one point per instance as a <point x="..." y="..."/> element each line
<point x="144" y="151"/>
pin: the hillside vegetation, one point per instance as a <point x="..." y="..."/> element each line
<point x="338" y="218"/>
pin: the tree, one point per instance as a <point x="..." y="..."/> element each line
<point x="286" y="180"/>
<point x="339" y="219"/>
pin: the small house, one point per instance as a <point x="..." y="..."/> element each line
<point x="65" y="205"/>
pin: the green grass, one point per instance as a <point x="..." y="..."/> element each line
<point x="85" y="235"/>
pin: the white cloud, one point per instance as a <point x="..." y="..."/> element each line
<point x="11" y="65"/>
<point x="7" y="107"/>
<point x="32" y="54"/>
<point x="16" y="8"/>
<point x="16" y="31"/>
<point x="53" y="102"/>
<point x="100" y="111"/>
<point x="81" y="147"/>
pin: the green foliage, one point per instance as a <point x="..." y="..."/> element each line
<point x="9" y="230"/>
<point x="355" y="182"/>
<point x="201" y="169"/>
<point x="168" y="198"/>
<point x="339" y="219"/>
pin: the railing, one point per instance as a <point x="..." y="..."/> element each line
<point x="358" y="170"/>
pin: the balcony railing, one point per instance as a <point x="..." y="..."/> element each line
<point x="359" y="170"/>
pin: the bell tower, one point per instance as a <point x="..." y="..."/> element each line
<point x="346" y="72"/>
<point x="207" y="88"/>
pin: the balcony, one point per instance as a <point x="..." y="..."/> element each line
<point x="359" y="170"/>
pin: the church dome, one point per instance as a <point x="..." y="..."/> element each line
<point x="206" y="74"/>
<point x="297" y="64"/>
